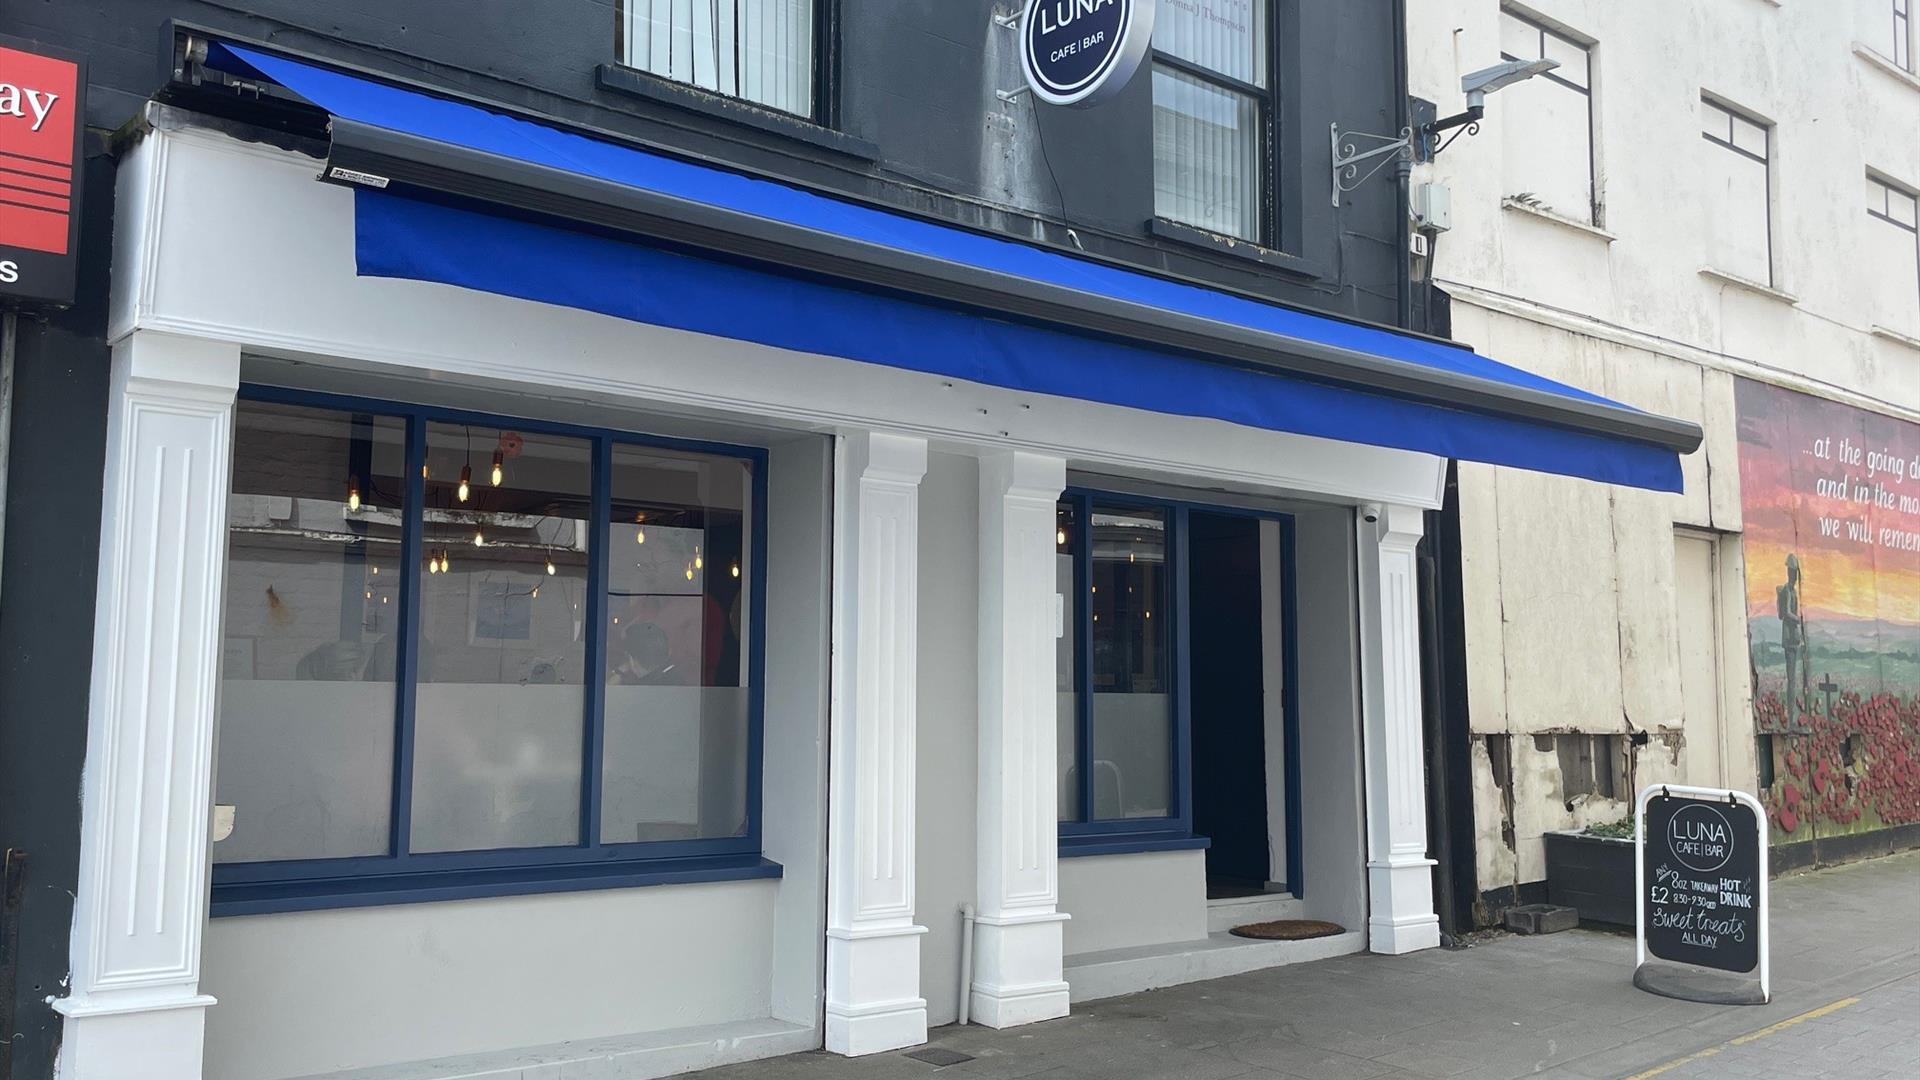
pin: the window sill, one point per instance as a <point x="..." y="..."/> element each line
<point x="261" y="898"/>
<point x="1175" y="232"/>
<point x="1873" y="57"/>
<point x="1750" y="285"/>
<point x="632" y="82"/>
<point x="1896" y="336"/>
<point x="1561" y="220"/>
<point x="1077" y="846"/>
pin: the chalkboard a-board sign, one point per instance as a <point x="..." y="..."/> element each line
<point x="1701" y="880"/>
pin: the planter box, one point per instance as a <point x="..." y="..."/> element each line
<point x="1592" y="874"/>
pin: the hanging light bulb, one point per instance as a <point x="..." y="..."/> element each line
<point x="446" y="564"/>
<point x="383" y="599"/>
<point x="1060" y="537"/>
<point x="478" y="540"/>
<point x="498" y="473"/>
<point x="536" y="593"/>
<point x="466" y="476"/>
<point x="551" y="569"/>
<point x="433" y="564"/>
<point x="369" y="594"/>
<point x="376" y="570"/>
<point x="698" y="562"/>
<point x="639" y="534"/>
<point x="736" y="569"/>
<point x="353" y="496"/>
<point x="423" y="470"/>
<point x="689" y="571"/>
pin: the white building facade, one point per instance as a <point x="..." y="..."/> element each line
<point x="1705" y="210"/>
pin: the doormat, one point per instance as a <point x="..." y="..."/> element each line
<point x="1288" y="930"/>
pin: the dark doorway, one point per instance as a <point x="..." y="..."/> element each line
<point x="1228" y="701"/>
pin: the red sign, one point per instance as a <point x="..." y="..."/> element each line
<point x="40" y="131"/>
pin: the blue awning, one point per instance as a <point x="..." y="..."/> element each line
<point x="469" y="196"/>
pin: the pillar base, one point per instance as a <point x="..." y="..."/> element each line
<point x="1017" y="969"/>
<point x="1403" y="919"/>
<point x="873" y="990"/>
<point x="152" y="1039"/>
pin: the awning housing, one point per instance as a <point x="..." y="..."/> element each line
<point x="458" y="193"/>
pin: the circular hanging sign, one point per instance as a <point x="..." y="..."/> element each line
<point x="1082" y="52"/>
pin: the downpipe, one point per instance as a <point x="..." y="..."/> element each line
<point x="967" y="919"/>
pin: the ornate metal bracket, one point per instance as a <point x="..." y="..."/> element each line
<point x="1347" y="157"/>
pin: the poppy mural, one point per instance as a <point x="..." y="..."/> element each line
<point x="1831" y="500"/>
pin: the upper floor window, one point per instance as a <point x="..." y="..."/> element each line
<point x="1548" y="123"/>
<point x="464" y="652"/>
<point x="1893" y="255"/>
<point x="1212" y="116"/>
<point x="1737" y="184"/>
<point x="758" y="50"/>
<point x="1886" y="26"/>
<point x="1902" y="33"/>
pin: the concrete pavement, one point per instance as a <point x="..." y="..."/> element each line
<point x="1846" y="1003"/>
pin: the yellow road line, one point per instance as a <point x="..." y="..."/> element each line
<point x="1813" y="1014"/>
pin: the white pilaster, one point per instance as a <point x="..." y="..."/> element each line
<point x="135" y="1008"/>
<point x="1399" y="874"/>
<point x="873" y="945"/>
<point x="1018" y="941"/>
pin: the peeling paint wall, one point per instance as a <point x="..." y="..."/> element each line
<point x="1574" y="597"/>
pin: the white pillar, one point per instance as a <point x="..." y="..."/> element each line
<point x="135" y="1008"/>
<point x="1399" y="874"/>
<point x="1018" y="941"/>
<point x="873" y="945"/>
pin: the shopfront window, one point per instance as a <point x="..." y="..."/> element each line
<point x="1131" y="661"/>
<point x="674" y="765"/>
<point x="466" y="651"/>
<point x="307" y="694"/>
<point x="1119" y="707"/>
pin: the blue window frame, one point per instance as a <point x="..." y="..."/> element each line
<point x="593" y="859"/>
<point x="1084" y="829"/>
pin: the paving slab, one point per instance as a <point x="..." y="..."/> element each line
<point x="1846" y="1003"/>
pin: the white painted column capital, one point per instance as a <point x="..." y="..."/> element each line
<point x="135" y="1006"/>
<point x="1018" y="945"/>
<point x="1399" y="874"/>
<point x="873" y="945"/>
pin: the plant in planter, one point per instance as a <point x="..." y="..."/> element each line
<point x="1591" y="870"/>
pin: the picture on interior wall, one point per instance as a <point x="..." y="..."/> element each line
<point x="502" y="608"/>
<point x="1831" y="502"/>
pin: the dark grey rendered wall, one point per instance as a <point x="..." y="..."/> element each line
<point x="46" y="634"/>
<point x="915" y="90"/>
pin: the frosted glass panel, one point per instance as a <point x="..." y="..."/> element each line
<point x="500" y="709"/>
<point x="760" y="50"/>
<point x="678" y="621"/>
<point x="307" y="673"/>
<point x="1206" y="149"/>
<point x="1227" y="36"/>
